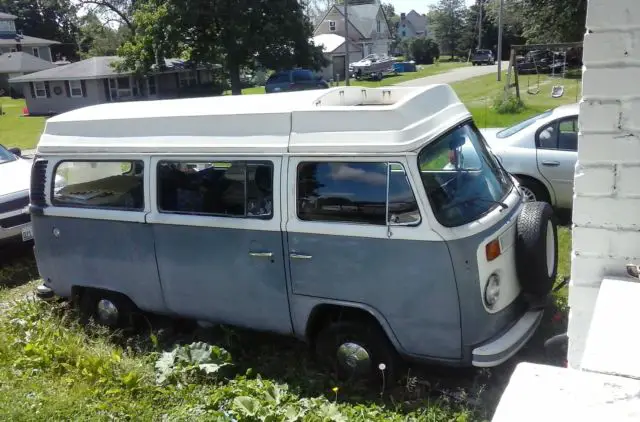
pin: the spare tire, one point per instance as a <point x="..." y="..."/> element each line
<point x="536" y="248"/>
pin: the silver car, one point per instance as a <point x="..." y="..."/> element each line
<point x="15" y="172"/>
<point x="541" y="152"/>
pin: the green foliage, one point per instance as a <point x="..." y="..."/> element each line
<point x="97" y="39"/>
<point x="424" y="50"/>
<point x="272" y="33"/>
<point x="447" y="20"/>
<point x="509" y="104"/>
<point x="44" y="350"/>
<point x="191" y="363"/>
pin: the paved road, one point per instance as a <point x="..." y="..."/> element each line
<point x="455" y="75"/>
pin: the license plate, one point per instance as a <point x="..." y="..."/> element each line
<point x="27" y="233"/>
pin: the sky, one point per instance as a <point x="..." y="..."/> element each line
<point x="420" y="6"/>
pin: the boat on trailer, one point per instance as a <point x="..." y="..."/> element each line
<point x="372" y="66"/>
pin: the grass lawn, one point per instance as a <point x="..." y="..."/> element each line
<point x="478" y="94"/>
<point x="423" y="70"/>
<point x="15" y="130"/>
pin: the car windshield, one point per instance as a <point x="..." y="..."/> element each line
<point x="463" y="181"/>
<point x="5" y="155"/>
<point x="505" y="133"/>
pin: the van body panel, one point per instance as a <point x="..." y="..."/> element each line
<point x="209" y="273"/>
<point x="478" y="325"/>
<point x="111" y="255"/>
<point x="410" y="282"/>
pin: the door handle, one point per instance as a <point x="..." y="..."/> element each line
<point x="299" y="256"/>
<point x="261" y="254"/>
<point x="551" y="163"/>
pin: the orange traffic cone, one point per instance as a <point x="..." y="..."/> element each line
<point x="25" y="111"/>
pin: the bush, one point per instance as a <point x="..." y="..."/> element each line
<point x="424" y="50"/>
<point x="509" y="104"/>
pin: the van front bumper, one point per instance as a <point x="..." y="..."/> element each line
<point x="508" y="343"/>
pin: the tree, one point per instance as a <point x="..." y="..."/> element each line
<point x="424" y="50"/>
<point x="49" y="19"/>
<point x="447" y="18"/>
<point x="240" y="33"/>
<point x="97" y="39"/>
<point x="110" y="11"/>
<point x="552" y="21"/>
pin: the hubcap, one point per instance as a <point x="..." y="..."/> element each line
<point x="353" y="358"/>
<point x="551" y="246"/>
<point x="528" y="194"/>
<point x="107" y="312"/>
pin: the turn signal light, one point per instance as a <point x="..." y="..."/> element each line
<point x="493" y="249"/>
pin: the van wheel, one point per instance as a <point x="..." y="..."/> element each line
<point x="536" y="248"/>
<point x="106" y="308"/>
<point x="356" y="351"/>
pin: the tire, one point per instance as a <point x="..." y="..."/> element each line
<point x="533" y="190"/>
<point x="536" y="249"/>
<point x="367" y="336"/>
<point x="91" y="299"/>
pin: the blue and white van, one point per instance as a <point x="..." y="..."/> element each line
<point x="373" y="223"/>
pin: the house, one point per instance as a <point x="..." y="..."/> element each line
<point x="20" y="54"/>
<point x="369" y="32"/>
<point x="95" y="81"/>
<point x="411" y="25"/>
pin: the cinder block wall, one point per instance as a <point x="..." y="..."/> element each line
<point x="606" y="210"/>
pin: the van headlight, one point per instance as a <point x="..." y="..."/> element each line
<point x="492" y="290"/>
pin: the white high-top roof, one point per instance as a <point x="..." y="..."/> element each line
<point x="336" y="120"/>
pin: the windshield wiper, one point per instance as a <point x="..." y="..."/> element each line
<point x="502" y="204"/>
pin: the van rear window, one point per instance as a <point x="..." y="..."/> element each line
<point x="226" y="189"/>
<point x="99" y="184"/>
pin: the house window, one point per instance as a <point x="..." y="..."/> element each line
<point x="332" y="25"/>
<point x="7" y="26"/>
<point x="13" y="50"/>
<point x="206" y="77"/>
<point x="40" y="89"/>
<point x="187" y="79"/>
<point x="122" y="87"/>
<point x="404" y="33"/>
<point x="378" y="26"/>
<point x="36" y="51"/>
<point x="151" y="85"/>
<point x="75" y="87"/>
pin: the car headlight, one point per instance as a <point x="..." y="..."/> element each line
<point x="492" y="290"/>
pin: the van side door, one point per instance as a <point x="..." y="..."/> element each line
<point x="358" y="236"/>
<point x="216" y="223"/>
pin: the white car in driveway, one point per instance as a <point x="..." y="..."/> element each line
<point x="541" y="152"/>
<point x="15" y="176"/>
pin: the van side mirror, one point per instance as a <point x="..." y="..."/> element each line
<point x="16" y="151"/>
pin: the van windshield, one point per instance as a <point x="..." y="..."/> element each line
<point x="463" y="181"/>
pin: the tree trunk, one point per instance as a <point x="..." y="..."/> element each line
<point x="234" y="77"/>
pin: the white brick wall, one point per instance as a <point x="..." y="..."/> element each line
<point x="606" y="209"/>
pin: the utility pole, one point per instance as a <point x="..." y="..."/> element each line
<point x="346" y="43"/>
<point x="479" y="24"/>
<point x="499" y="52"/>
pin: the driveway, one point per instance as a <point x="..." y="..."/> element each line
<point x="455" y="75"/>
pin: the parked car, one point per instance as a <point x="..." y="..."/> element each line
<point x="538" y="61"/>
<point x="371" y="222"/>
<point x="541" y="152"/>
<point x="15" y="173"/>
<point x="294" y="80"/>
<point x="482" y="57"/>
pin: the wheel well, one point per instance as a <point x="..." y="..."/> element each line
<point x="325" y="314"/>
<point x="535" y="181"/>
<point x="78" y="291"/>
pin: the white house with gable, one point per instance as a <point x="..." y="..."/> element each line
<point x="369" y="32"/>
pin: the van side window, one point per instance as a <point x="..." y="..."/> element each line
<point x="227" y="189"/>
<point x="99" y="184"/>
<point x="355" y="192"/>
